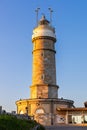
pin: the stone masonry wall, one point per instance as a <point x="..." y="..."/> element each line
<point x="44" y="71"/>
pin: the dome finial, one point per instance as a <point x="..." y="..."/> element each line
<point x="43" y="16"/>
<point x="43" y="20"/>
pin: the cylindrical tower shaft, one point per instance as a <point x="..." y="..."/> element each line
<point x="44" y="71"/>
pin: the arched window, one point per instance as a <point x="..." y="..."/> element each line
<point x="39" y="111"/>
<point x="21" y="112"/>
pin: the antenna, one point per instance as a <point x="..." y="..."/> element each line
<point x="50" y="15"/>
<point x="37" y="10"/>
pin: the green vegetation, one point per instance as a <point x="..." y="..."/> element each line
<point x="8" y="122"/>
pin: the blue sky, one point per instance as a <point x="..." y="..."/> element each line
<point x="17" y="20"/>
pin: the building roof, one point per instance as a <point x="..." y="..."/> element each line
<point x="72" y="109"/>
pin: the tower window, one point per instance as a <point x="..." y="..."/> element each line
<point x="42" y="53"/>
<point x="42" y="76"/>
<point x="34" y="47"/>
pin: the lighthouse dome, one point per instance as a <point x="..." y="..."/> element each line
<point x="44" y="29"/>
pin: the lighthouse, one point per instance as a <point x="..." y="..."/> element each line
<point x="43" y="101"/>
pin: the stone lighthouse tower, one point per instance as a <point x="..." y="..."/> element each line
<point x="43" y="101"/>
<point x="44" y="89"/>
<point x="44" y="69"/>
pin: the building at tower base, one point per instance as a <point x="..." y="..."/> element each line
<point x="44" y="110"/>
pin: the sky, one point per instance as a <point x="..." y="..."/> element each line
<point x="17" y="21"/>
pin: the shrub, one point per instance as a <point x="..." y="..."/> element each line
<point x="8" y="122"/>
